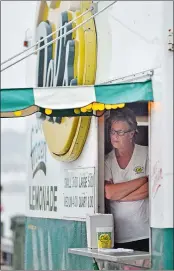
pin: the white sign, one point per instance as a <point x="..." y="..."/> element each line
<point x="61" y="190"/>
<point x="79" y="191"/>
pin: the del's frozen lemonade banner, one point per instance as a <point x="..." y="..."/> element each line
<point x="64" y="63"/>
<point x="63" y="153"/>
<point x="59" y="189"/>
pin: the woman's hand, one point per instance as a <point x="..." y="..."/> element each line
<point x="109" y="189"/>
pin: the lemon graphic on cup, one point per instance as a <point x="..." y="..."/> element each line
<point x="104" y="240"/>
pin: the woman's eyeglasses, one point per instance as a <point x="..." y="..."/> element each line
<point x="119" y="132"/>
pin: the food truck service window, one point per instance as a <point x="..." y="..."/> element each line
<point x="126" y="171"/>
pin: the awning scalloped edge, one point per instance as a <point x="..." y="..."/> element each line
<point x="77" y="99"/>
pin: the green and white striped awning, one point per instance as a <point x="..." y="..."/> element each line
<point x="25" y="101"/>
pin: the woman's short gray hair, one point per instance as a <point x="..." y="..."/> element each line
<point x="124" y="114"/>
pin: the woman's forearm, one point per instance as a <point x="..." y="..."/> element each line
<point x="132" y="197"/>
<point x="121" y="190"/>
<point x="139" y="194"/>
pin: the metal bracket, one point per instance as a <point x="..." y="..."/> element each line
<point x="170" y="40"/>
<point x="94" y="7"/>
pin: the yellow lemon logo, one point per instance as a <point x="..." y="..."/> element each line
<point x="104" y="240"/>
<point x="139" y="169"/>
<point x="104" y="237"/>
<point x="71" y="60"/>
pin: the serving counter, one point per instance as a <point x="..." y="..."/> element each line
<point x="115" y="260"/>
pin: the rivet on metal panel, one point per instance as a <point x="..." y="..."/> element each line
<point x="170" y="40"/>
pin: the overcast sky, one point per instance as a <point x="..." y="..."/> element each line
<point x="16" y="18"/>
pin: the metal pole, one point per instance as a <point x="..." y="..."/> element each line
<point x="18" y="54"/>
<point x="58" y="38"/>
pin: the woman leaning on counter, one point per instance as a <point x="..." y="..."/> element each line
<point x="126" y="182"/>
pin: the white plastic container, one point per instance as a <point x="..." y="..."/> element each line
<point x="98" y="221"/>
